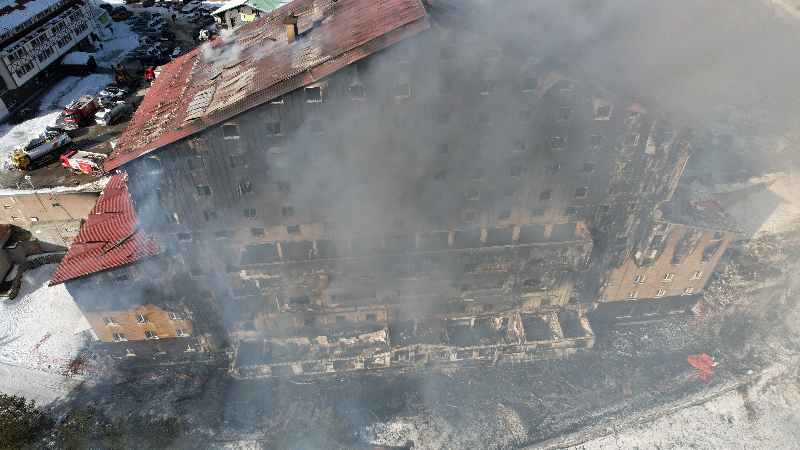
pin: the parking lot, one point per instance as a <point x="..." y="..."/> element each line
<point x="97" y="138"/>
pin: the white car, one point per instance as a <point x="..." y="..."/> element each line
<point x="114" y="93"/>
<point x="175" y="54"/>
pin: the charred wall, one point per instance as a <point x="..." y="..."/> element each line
<point x="444" y="176"/>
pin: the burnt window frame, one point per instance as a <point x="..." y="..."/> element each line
<point x="230" y="131"/>
<point x="528" y="85"/>
<point x="504" y="214"/>
<point x="598" y="115"/>
<point x="273" y="128"/>
<point x="357" y="92"/>
<point x="488" y="86"/>
<point x="402" y="90"/>
<point x="284" y="185"/>
<point x="287" y="211"/>
<point x="313" y="94"/>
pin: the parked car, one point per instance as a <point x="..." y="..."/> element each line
<point x="112" y="90"/>
<point x="156" y="14"/>
<point x="110" y="95"/>
<point x="196" y="32"/>
<point x="205" y="20"/>
<point x="194" y="16"/>
<point x="119" y="17"/>
<point x="106" y="6"/>
<point x="161" y="47"/>
<point x="148" y="3"/>
<point x="135" y="20"/>
<point x="118" y="10"/>
<point x="151" y="60"/>
<point x="176" y="53"/>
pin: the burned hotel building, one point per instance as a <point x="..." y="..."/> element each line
<point x="352" y="184"/>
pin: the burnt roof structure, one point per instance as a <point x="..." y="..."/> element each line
<point x="696" y="208"/>
<point x="110" y="237"/>
<point x="256" y="63"/>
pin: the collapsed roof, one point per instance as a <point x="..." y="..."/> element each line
<point x="696" y="208"/>
<point x="256" y="63"/>
<point x="109" y="238"/>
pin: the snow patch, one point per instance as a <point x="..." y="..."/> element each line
<point x="95" y="186"/>
<point x="39" y="311"/>
<point x="769" y="204"/>
<point x="728" y="421"/>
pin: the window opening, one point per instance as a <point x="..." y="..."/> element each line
<point x="273" y="128"/>
<point x="230" y="131"/>
<point x="530" y="84"/>
<point x="313" y="94"/>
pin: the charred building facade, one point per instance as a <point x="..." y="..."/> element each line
<point x="416" y="193"/>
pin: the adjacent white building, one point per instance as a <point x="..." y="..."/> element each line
<point x="33" y="35"/>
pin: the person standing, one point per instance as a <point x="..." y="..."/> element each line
<point x="174" y="17"/>
<point x="111" y="29"/>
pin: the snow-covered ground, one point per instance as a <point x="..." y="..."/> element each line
<point x="40" y="314"/>
<point x="115" y="45"/>
<point x="95" y="186"/>
<point x="761" y="418"/>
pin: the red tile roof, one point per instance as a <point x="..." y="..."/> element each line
<point x="109" y="238"/>
<point x="256" y="64"/>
